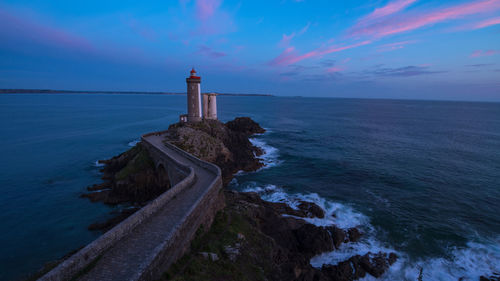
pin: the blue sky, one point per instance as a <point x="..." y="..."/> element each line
<point x="413" y="49"/>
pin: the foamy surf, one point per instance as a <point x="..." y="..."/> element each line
<point x="468" y="263"/>
<point x="134" y="143"/>
<point x="97" y="164"/>
<point x="270" y="157"/>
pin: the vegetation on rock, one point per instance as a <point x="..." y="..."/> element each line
<point x="226" y="145"/>
<point x="252" y="240"/>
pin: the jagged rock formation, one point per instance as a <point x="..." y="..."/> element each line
<point x="252" y="240"/>
<point x="225" y="145"/>
<point x="130" y="177"/>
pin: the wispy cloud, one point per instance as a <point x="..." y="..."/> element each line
<point x="335" y="69"/>
<point x="487" y="23"/>
<point x="480" y="65"/>
<point x="394" y="46"/>
<point x="328" y="63"/>
<point x="17" y="27"/>
<point x="406" y="71"/>
<point x="408" y="22"/>
<point x="285" y="39"/>
<point x="290" y="56"/>
<point x="389" y="9"/>
<point x="205" y="9"/>
<point x="484" y="53"/>
<point x="209" y="52"/>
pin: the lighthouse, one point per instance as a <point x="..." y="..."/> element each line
<point x="193" y="97"/>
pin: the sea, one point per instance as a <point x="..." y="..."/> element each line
<point x="419" y="178"/>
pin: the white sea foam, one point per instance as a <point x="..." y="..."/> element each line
<point x="97" y="164"/>
<point x="270" y="157"/>
<point x="465" y="264"/>
<point x="134" y="142"/>
<point x="337" y="214"/>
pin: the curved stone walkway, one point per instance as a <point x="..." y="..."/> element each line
<point x="127" y="259"/>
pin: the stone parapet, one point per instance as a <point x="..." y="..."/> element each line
<point x="202" y="212"/>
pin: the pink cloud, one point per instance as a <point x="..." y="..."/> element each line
<point x="481" y="53"/>
<point x="389" y="9"/>
<point x="334" y="69"/>
<point x="290" y="57"/>
<point x="487" y="23"/>
<point x="411" y="22"/>
<point x="285" y="40"/>
<point x="21" y="28"/>
<point x="394" y="46"/>
<point x="205" y="9"/>
<point x="304" y="29"/>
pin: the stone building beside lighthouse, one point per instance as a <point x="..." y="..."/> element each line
<point x="194" y="102"/>
<point x="210" y="106"/>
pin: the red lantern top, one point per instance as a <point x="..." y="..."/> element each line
<point x="193" y="74"/>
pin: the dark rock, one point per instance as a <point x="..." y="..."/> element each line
<point x="276" y="247"/>
<point x="358" y="266"/>
<point x="100" y="186"/>
<point x="130" y="177"/>
<point x="313" y="240"/>
<point x="346" y="270"/>
<point x="311" y="210"/>
<point x="378" y="263"/>
<point x="245" y="125"/>
<point x="489" y="278"/>
<point x="338" y="235"/>
<point x="98" y="196"/>
<point x="353" y="234"/>
<point x="226" y="145"/>
<point x="393" y="258"/>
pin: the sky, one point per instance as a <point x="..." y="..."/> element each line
<point x="405" y="49"/>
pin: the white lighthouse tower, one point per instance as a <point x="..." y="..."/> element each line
<point x="193" y="97"/>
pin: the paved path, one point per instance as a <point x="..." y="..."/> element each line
<point x="127" y="258"/>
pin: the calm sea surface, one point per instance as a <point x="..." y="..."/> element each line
<point x="420" y="178"/>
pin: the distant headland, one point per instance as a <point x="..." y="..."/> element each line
<point x="50" y="91"/>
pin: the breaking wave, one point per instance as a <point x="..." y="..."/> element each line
<point x="467" y="263"/>
<point x="270" y="157"/>
<point x="134" y="143"/>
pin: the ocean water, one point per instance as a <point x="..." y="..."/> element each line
<point x="421" y="178"/>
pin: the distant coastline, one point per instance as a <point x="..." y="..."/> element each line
<point x="49" y="91"/>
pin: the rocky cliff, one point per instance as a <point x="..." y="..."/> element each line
<point x="250" y="239"/>
<point x="131" y="178"/>
<point x="226" y="145"/>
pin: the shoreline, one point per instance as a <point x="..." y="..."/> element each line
<point x="316" y="263"/>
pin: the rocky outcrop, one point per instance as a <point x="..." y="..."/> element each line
<point x="251" y="239"/>
<point x="359" y="266"/>
<point x="130" y="177"/>
<point x="226" y="145"/>
<point x="258" y="240"/>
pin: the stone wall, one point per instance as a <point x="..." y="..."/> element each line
<point x="202" y="213"/>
